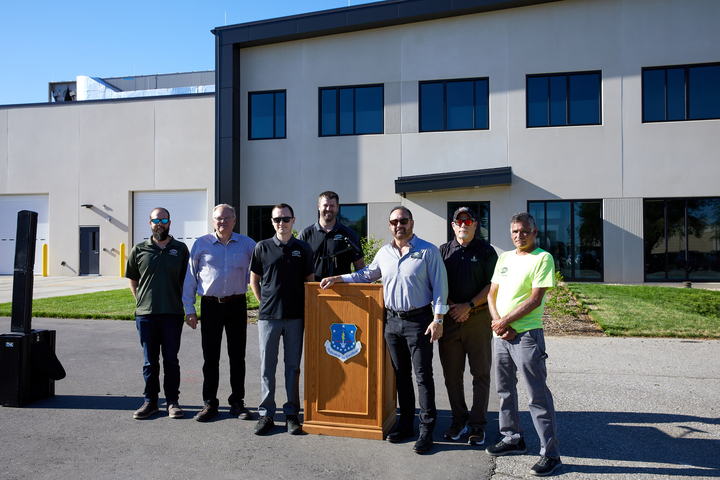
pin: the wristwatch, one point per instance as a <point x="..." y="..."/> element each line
<point x="439" y="321"/>
<point x="472" y="305"/>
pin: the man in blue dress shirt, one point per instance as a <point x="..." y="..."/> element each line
<point x="415" y="291"/>
<point x="219" y="271"/>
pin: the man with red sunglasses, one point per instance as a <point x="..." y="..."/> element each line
<point x="470" y="263"/>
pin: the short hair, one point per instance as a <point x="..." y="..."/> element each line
<point x="280" y="206"/>
<point x="329" y="195"/>
<point x="160" y="208"/>
<point x="225" y="205"/>
<point x="523" y="217"/>
<point x="404" y="209"/>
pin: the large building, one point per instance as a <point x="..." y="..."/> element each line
<point x="600" y="117"/>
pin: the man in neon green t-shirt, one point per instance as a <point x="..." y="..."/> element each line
<point x="516" y="302"/>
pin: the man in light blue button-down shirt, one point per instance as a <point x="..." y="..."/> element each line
<point x="219" y="271"/>
<point x="415" y="292"/>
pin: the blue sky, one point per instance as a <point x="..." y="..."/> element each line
<point x="43" y="41"/>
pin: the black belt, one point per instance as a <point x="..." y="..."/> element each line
<point x="410" y="313"/>
<point x="224" y="299"/>
<point x="478" y="308"/>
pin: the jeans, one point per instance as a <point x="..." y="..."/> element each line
<point x="525" y="354"/>
<point x="232" y="317"/>
<point x="160" y="333"/>
<point x="269" y="332"/>
<point x="410" y="349"/>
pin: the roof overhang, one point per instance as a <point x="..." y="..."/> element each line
<point x="489" y="177"/>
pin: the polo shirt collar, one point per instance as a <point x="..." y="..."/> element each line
<point x="233" y="237"/>
<point x="473" y="243"/>
<point x="335" y="227"/>
<point x="279" y="244"/>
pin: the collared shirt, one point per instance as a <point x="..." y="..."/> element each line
<point x="470" y="268"/>
<point x="325" y="243"/>
<point x="412" y="281"/>
<point x="217" y="270"/>
<point x="283" y="269"/>
<point x="160" y="273"/>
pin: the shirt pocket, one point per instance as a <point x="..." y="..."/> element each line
<point x="241" y="260"/>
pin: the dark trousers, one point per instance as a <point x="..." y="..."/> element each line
<point x="160" y="333"/>
<point x="410" y="349"/>
<point x="472" y="339"/>
<point x="231" y="316"/>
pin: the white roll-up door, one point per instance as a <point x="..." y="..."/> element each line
<point x="10" y="205"/>
<point x="188" y="214"/>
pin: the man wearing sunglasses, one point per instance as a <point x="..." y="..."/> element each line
<point x="470" y="263"/>
<point x="329" y="237"/>
<point x="415" y="292"/>
<point x="156" y="270"/>
<point x="219" y="271"/>
<point x="279" y="268"/>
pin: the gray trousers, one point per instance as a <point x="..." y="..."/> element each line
<point x="269" y="332"/>
<point x="471" y="339"/>
<point x="525" y="354"/>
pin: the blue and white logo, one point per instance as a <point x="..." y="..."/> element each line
<point x="342" y="343"/>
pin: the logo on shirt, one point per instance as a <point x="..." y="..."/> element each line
<point x="416" y="255"/>
<point x="503" y="271"/>
<point x="473" y="259"/>
<point x="173" y="252"/>
<point x="342" y="343"/>
<point x="338" y="237"/>
<point x="296" y="253"/>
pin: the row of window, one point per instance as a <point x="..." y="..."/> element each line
<point x="674" y="93"/>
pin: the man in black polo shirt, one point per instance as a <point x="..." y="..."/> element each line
<point x="470" y="263"/>
<point x="279" y="268"/>
<point x="328" y="236"/>
<point x="156" y="270"/>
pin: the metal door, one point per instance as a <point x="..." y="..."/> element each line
<point x="89" y="250"/>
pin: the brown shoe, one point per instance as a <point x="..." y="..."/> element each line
<point x="174" y="411"/>
<point x="206" y="413"/>
<point x="147" y="409"/>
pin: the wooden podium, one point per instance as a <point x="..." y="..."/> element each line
<point x="355" y="397"/>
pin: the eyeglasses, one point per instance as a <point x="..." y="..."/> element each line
<point x="401" y="221"/>
<point x="222" y="219"/>
<point x="460" y="223"/>
<point x="164" y="221"/>
<point x="282" y="219"/>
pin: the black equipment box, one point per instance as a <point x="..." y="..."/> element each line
<point x="28" y="367"/>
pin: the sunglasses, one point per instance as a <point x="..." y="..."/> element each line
<point x="282" y="219"/>
<point x="164" y="221"/>
<point x="401" y="221"/>
<point x="460" y="223"/>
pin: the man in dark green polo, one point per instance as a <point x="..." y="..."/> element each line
<point x="156" y="270"/>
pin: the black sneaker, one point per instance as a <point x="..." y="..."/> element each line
<point x="423" y="444"/>
<point x="206" y="413"/>
<point x="502" y="448"/>
<point x="455" y="431"/>
<point x="545" y="466"/>
<point x="264" y="425"/>
<point x="477" y="436"/>
<point x="239" y="411"/>
<point x="148" y="408"/>
<point x="293" y="425"/>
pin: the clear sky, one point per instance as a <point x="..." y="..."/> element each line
<point x="44" y="41"/>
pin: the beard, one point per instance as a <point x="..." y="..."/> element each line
<point x="161" y="235"/>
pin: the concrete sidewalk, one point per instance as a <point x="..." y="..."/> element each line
<point x="627" y="409"/>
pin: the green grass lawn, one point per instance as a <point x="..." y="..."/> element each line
<point x="113" y="304"/>
<point x="649" y="311"/>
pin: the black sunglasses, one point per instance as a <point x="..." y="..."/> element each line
<point x="164" y="221"/>
<point x="282" y="219"/>
<point x="401" y="221"/>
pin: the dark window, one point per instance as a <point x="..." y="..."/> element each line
<point x="681" y="93"/>
<point x="572" y="232"/>
<point x="482" y="212"/>
<point x="563" y="99"/>
<point x="266" y="115"/>
<point x="260" y="222"/>
<point x="454" y="105"/>
<point x="351" y="110"/>
<point x="355" y="217"/>
<point x="682" y="239"/>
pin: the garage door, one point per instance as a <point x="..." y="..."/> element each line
<point x="10" y="205"/>
<point x="188" y="214"/>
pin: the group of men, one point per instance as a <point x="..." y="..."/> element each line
<point x="477" y="306"/>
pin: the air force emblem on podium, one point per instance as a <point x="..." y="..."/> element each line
<point x="342" y="343"/>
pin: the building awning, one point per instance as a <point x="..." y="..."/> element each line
<point x="489" y="177"/>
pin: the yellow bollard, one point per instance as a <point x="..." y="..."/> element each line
<point x="122" y="259"/>
<point x="45" y="260"/>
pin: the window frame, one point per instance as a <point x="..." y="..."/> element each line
<point x="354" y="109"/>
<point x="264" y="225"/>
<point x="364" y="205"/>
<point x="445" y="105"/>
<point x="274" y="110"/>
<point x="686" y="87"/>
<point x="567" y="75"/>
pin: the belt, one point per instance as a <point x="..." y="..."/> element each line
<point x="410" y="313"/>
<point x="224" y="299"/>
<point x="478" y="308"/>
